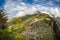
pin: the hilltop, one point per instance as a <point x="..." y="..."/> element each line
<point x="39" y="26"/>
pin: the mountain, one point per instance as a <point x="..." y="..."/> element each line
<point x="39" y="26"/>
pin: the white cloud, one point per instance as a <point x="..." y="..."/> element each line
<point x="58" y="0"/>
<point x="50" y="3"/>
<point x="39" y="0"/>
<point x="19" y="14"/>
<point x="23" y="9"/>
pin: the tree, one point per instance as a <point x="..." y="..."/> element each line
<point x="3" y="19"/>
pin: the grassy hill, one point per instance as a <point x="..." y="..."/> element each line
<point x="39" y="26"/>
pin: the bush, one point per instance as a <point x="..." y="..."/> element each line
<point x="4" y="35"/>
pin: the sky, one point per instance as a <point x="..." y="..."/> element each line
<point x="2" y="2"/>
<point x="17" y="8"/>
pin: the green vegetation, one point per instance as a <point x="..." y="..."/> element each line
<point x="37" y="26"/>
<point x="3" y="19"/>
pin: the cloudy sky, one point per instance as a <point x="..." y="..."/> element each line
<point x="17" y="8"/>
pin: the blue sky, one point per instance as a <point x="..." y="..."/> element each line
<point x="2" y="2"/>
<point x="41" y="2"/>
<point x="17" y="8"/>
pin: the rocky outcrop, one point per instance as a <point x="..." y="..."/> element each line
<point x="42" y="27"/>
